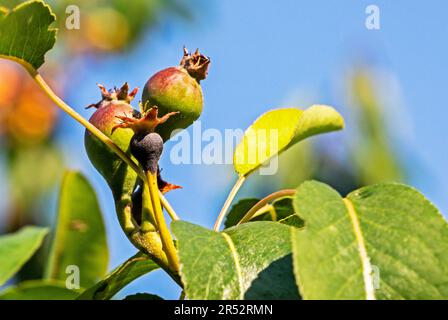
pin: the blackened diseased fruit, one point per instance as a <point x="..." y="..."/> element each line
<point x="147" y="149"/>
<point x="178" y="89"/>
<point x="146" y="145"/>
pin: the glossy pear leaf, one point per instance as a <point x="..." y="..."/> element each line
<point x="251" y="261"/>
<point x="384" y="241"/>
<point x="133" y="268"/>
<point x="80" y="236"/>
<point x="17" y="248"/>
<point x="25" y="33"/>
<point x="39" y="290"/>
<point x="280" y="210"/>
<point x="277" y="130"/>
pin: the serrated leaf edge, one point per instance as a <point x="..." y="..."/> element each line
<point x="28" y="66"/>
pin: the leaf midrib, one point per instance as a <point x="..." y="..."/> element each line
<point x="236" y="260"/>
<point x="365" y="261"/>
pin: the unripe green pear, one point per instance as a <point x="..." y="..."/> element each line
<point x="119" y="176"/>
<point x="177" y="89"/>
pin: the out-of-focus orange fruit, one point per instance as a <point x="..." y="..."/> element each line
<point x="32" y="120"/>
<point x="106" y="29"/>
<point x="10" y="78"/>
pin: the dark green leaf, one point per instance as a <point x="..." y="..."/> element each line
<point x="80" y="236"/>
<point x="130" y="270"/>
<point x="17" y="248"/>
<point x="280" y="210"/>
<point x="39" y="290"/>
<point x="143" y="296"/>
<point x="283" y="211"/>
<point x="238" y="211"/>
<point x="25" y="33"/>
<point x="382" y="242"/>
<point x="251" y="261"/>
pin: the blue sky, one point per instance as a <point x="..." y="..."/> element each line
<point x="264" y="52"/>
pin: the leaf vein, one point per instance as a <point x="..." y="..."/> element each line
<point x="237" y="263"/>
<point x="365" y="262"/>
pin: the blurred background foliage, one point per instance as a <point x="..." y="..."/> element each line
<point x="29" y="122"/>
<point x="32" y="157"/>
<point x="368" y="157"/>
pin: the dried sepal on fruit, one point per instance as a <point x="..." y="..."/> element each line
<point x="114" y="95"/>
<point x="145" y="123"/>
<point x="196" y="64"/>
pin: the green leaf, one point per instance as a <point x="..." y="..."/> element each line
<point x="10" y="4"/>
<point x="251" y="261"/>
<point x="280" y="210"/>
<point x="238" y="211"/>
<point x="39" y="290"/>
<point x="277" y="130"/>
<point x="384" y="241"/>
<point x="80" y="236"/>
<point x="133" y="268"/>
<point x="17" y="248"/>
<point x="143" y="296"/>
<point x="25" y="33"/>
<point x="285" y="212"/>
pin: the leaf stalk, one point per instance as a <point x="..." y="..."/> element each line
<point x="228" y="202"/>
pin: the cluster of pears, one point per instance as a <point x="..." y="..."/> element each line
<point x="172" y="99"/>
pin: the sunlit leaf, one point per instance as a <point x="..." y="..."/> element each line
<point x="80" y="236"/>
<point x="251" y="261"/>
<point x="277" y="130"/>
<point x="17" y="248"/>
<point x="130" y="270"/>
<point x="384" y="241"/>
<point x="25" y="33"/>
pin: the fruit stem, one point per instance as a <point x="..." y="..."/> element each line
<point x="146" y="239"/>
<point x="94" y="130"/>
<point x="165" y="235"/>
<point x="148" y="218"/>
<point x="97" y="133"/>
<point x="168" y="207"/>
<point x="263" y="202"/>
<point x="182" y="295"/>
<point x="228" y="202"/>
